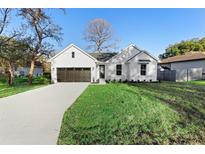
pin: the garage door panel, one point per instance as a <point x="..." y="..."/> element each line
<point x="61" y="75"/>
<point x="73" y="74"/>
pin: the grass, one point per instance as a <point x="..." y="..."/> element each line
<point x="197" y="82"/>
<point x="20" y="85"/>
<point x="145" y="113"/>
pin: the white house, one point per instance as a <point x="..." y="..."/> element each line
<point x="75" y="65"/>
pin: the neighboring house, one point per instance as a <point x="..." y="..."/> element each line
<point x="23" y="71"/>
<point x="190" y="66"/>
<point x="75" y="65"/>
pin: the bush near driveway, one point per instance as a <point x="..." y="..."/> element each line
<point x="143" y="113"/>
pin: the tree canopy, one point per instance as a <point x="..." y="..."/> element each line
<point x="193" y="45"/>
<point x="12" y="54"/>
<point x="42" y="31"/>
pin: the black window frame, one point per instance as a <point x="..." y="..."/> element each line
<point x="143" y="71"/>
<point x="119" y="69"/>
<point x="73" y="54"/>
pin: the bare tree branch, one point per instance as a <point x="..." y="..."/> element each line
<point x="4" y="13"/>
<point x="100" y="33"/>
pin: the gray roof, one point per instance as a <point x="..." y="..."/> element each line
<point x="102" y="57"/>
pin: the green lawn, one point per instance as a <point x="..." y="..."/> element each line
<point x="197" y="82"/>
<point x="145" y="113"/>
<point x="21" y="85"/>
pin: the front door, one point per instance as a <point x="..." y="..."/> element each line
<point x="102" y="71"/>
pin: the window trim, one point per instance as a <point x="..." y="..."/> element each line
<point x="143" y="69"/>
<point x="73" y="54"/>
<point x="119" y="69"/>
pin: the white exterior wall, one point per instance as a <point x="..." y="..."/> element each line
<point x="131" y="70"/>
<point x="135" y="66"/>
<point x="110" y="68"/>
<point x="65" y="60"/>
<point x="194" y="68"/>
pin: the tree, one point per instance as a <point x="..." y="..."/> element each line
<point x="9" y="46"/>
<point x="42" y="31"/>
<point x="193" y="45"/>
<point x="4" y="14"/>
<point x="100" y="34"/>
<point x="4" y="21"/>
<point x="12" y="54"/>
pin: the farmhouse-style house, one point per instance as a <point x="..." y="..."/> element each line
<point x="190" y="66"/>
<point x="75" y="65"/>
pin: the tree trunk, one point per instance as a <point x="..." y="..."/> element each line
<point x="30" y="75"/>
<point x="10" y="74"/>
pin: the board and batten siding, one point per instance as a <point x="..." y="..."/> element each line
<point x="121" y="58"/>
<point x="65" y="60"/>
<point x="131" y="69"/>
<point x="135" y="66"/>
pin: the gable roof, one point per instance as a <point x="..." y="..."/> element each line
<point x="69" y="46"/>
<point x="140" y="51"/>
<point x="123" y="51"/>
<point x="103" y="57"/>
<point x="186" y="57"/>
<point x="143" y="51"/>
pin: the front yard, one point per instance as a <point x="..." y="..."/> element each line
<point x="20" y="85"/>
<point x="143" y="113"/>
<point x="197" y="82"/>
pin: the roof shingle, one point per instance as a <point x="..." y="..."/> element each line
<point x="186" y="57"/>
<point x="102" y="57"/>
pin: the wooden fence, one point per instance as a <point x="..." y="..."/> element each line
<point x="166" y="75"/>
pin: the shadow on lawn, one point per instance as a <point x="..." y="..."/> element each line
<point x="188" y="101"/>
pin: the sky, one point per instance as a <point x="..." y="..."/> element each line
<point x="150" y="29"/>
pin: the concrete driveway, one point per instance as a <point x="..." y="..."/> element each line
<point x="34" y="117"/>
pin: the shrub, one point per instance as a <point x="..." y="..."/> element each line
<point x="125" y="81"/>
<point x="3" y="78"/>
<point x="41" y="80"/>
<point x="107" y="81"/>
<point x="47" y="75"/>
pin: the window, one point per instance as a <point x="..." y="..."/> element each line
<point x="143" y="69"/>
<point x="119" y="69"/>
<point x="73" y="54"/>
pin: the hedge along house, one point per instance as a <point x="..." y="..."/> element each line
<point x="75" y="65"/>
<point x="190" y="66"/>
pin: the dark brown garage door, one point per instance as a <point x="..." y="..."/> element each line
<point x="73" y="74"/>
